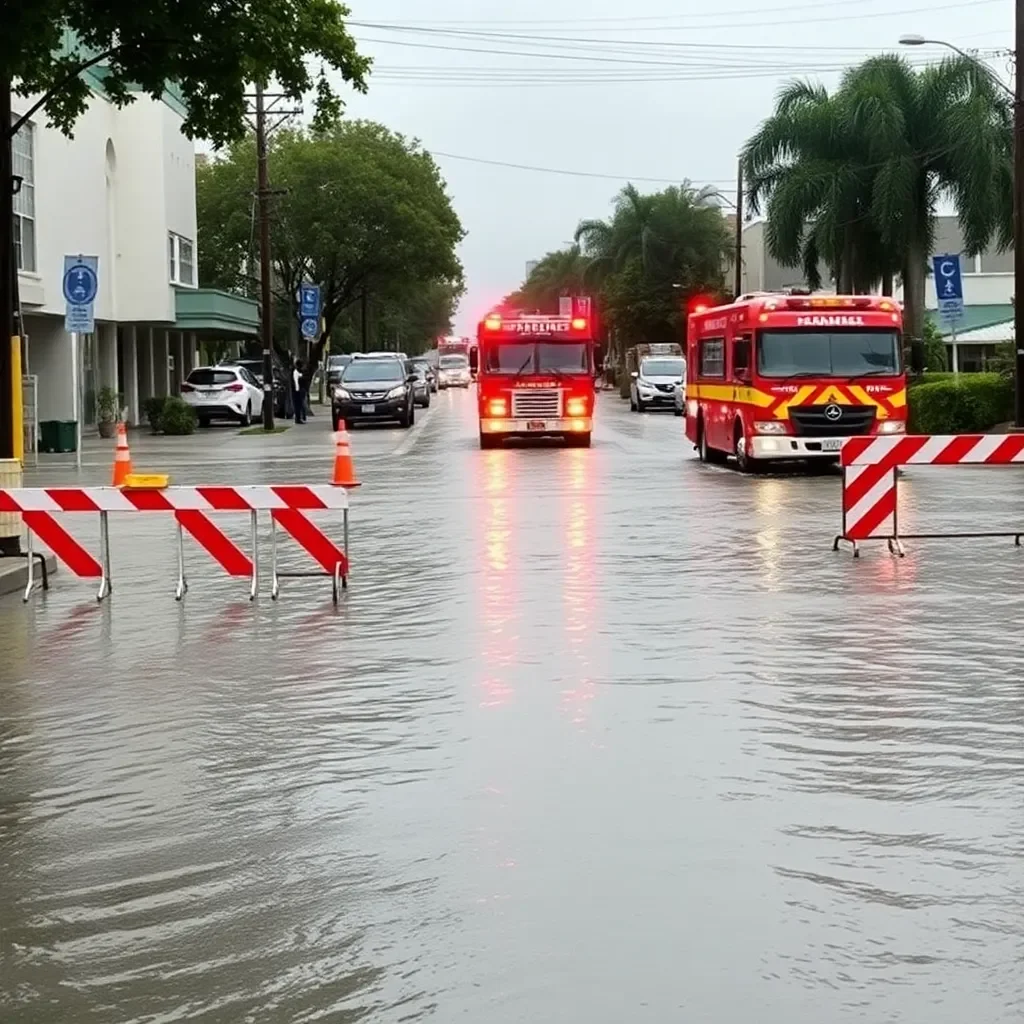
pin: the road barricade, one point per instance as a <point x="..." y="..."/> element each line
<point x="871" y="479"/>
<point x="190" y="506"/>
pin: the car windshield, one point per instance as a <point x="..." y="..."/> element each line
<point x="337" y="362"/>
<point x="828" y="353"/>
<point x="662" y="367"/>
<point x="454" y="362"/>
<point x="206" y="377"/>
<point x="384" y="369"/>
<point x="420" y="370"/>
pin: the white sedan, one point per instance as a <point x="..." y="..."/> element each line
<point x="223" y="393"/>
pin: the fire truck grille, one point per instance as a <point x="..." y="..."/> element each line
<point x="813" y="421"/>
<point x="539" y="404"/>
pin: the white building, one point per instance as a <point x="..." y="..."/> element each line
<point x="123" y="189"/>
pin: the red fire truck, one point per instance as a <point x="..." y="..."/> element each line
<point x="536" y="377"/>
<point x="777" y="376"/>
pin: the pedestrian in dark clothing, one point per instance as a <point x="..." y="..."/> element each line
<point x="298" y="393"/>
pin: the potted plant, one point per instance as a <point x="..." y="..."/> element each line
<point x="108" y="408"/>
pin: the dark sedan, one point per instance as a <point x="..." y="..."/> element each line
<point x="374" y="389"/>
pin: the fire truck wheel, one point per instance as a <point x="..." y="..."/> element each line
<point x="489" y="441"/>
<point x="578" y="440"/>
<point x="744" y="462"/>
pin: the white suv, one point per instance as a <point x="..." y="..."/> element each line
<point x="223" y="392"/>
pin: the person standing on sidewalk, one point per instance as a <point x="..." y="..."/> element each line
<point x="298" y="394"/>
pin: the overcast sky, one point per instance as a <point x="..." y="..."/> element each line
<point x="667" y="93"/>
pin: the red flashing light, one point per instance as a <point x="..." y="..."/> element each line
<point x="698" y="304"/>
<point x="579" y="323"/>
<point x="492" y="323"/>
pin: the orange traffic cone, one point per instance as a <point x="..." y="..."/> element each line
<point x="344" y="467"/>
<point x="122" y="457"/>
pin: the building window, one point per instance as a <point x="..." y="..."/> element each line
<point x="25" y="199"/>
<point x="181" y="260"/>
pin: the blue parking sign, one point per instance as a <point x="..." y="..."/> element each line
<point x="309" y="302"/>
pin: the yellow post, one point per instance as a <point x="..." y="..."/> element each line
<point x="17" y="408"/>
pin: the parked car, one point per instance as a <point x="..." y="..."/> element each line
<point x="421" y="385"/>
<point x="282" y="381"/>
<point x="431" y="374"/>
<point x="223" y="392"/>
<point x="374" y="389"/>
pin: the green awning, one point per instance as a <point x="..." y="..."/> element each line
<point x="207" y="311"/>
<point x="974" y="318"/>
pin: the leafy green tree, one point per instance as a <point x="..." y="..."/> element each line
<point x="562" y="272"/>
<point x="654" y="251"/>
<point x="362" y="209"/>
<point x="855" y="178"/>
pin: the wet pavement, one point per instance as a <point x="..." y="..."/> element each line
<point x="596" y="735"/>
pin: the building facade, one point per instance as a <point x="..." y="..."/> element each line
<point x="122" y="189"/>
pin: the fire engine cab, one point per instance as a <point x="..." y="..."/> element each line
<point x="535" y="377"/>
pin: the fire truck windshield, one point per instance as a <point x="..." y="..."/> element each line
<point x="541" y="357"/>
<point x="828" y="354"/>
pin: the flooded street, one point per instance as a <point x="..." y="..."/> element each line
<point x="595" y="735"/>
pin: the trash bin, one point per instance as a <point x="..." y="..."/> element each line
<point x="58" y="435"/>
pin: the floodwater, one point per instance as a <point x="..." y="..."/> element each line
<point x="597" y="736"/>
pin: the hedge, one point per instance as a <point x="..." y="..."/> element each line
<point x="179" y="418"/>
<point x="967" y="404"/>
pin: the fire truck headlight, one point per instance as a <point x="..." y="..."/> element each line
<point x="892" y="427"/>
<point x="769" y="427"/>
<point x="576" y="407"/>
<point x="497" y="407"/>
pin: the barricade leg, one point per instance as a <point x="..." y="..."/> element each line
<point x="275" y="585"/>
<point x="182" y="588"/>
<point x="254" y="584"/>
<point x="31" y="584"/>
<point x="106" y="585"/>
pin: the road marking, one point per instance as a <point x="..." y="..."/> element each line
<point x="414" y="435"/>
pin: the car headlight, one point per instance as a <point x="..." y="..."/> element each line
<point x="397" y="392"/>
<point x="641" y="383"/>
<point x="341" y="393"/>
<point x="769" y="427"/>
<point x="892" y="427"/>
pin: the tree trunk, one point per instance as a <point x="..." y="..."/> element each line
<point x="887" y="283"/>
<point x="913" y="303"/>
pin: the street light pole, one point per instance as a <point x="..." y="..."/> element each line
<point x="738" y="283"/>
<point x="1017" y="95"/>
<point x="266" y="295"/>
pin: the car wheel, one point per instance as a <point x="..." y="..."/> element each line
<point x="744" y="463"/>
<point x="246" y="418"/>
<point x="204" y="421"/>
<point x="632" y="402"/>
<point x="335" y="421"/>
<point x="426" y="402"/>
<point x="677" y="410"/>
<point x="641" y="405"/>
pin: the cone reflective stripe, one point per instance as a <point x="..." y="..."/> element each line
<point x="344" y="467"/>
<point x="122" y="457"/>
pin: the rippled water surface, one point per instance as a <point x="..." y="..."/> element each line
<point x="595" y="736"/>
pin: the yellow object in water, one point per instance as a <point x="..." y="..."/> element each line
<point x="146" y="481"/>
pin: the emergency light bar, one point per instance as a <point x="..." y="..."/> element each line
<point x="535" y="325"/>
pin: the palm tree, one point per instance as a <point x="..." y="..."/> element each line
<point x="854" y="179"/>
<point x="942" y="132"/>
<point x="561" y="272"/>
<point x="806" y="169"/>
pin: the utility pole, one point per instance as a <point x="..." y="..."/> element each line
<point x="1018" y="218"/>
<point x="738" y="281"/>
<point x="362" y="319"/>
<point x="8" y="274"/>
<point x="266" y="293"/>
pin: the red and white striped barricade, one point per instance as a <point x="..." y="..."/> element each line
<point x="870" y="478"/>
<point x="286" y="503"/>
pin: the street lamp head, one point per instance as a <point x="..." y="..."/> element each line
<point x="912" y="40"/>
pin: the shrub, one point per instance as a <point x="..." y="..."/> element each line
<point x="178" y="417"/>
<point x="154" y="409"/>
<point x="967" y="404"/>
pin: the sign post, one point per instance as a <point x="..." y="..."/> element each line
<point x="80" y="287"/>
<point x="949" y="291"/>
